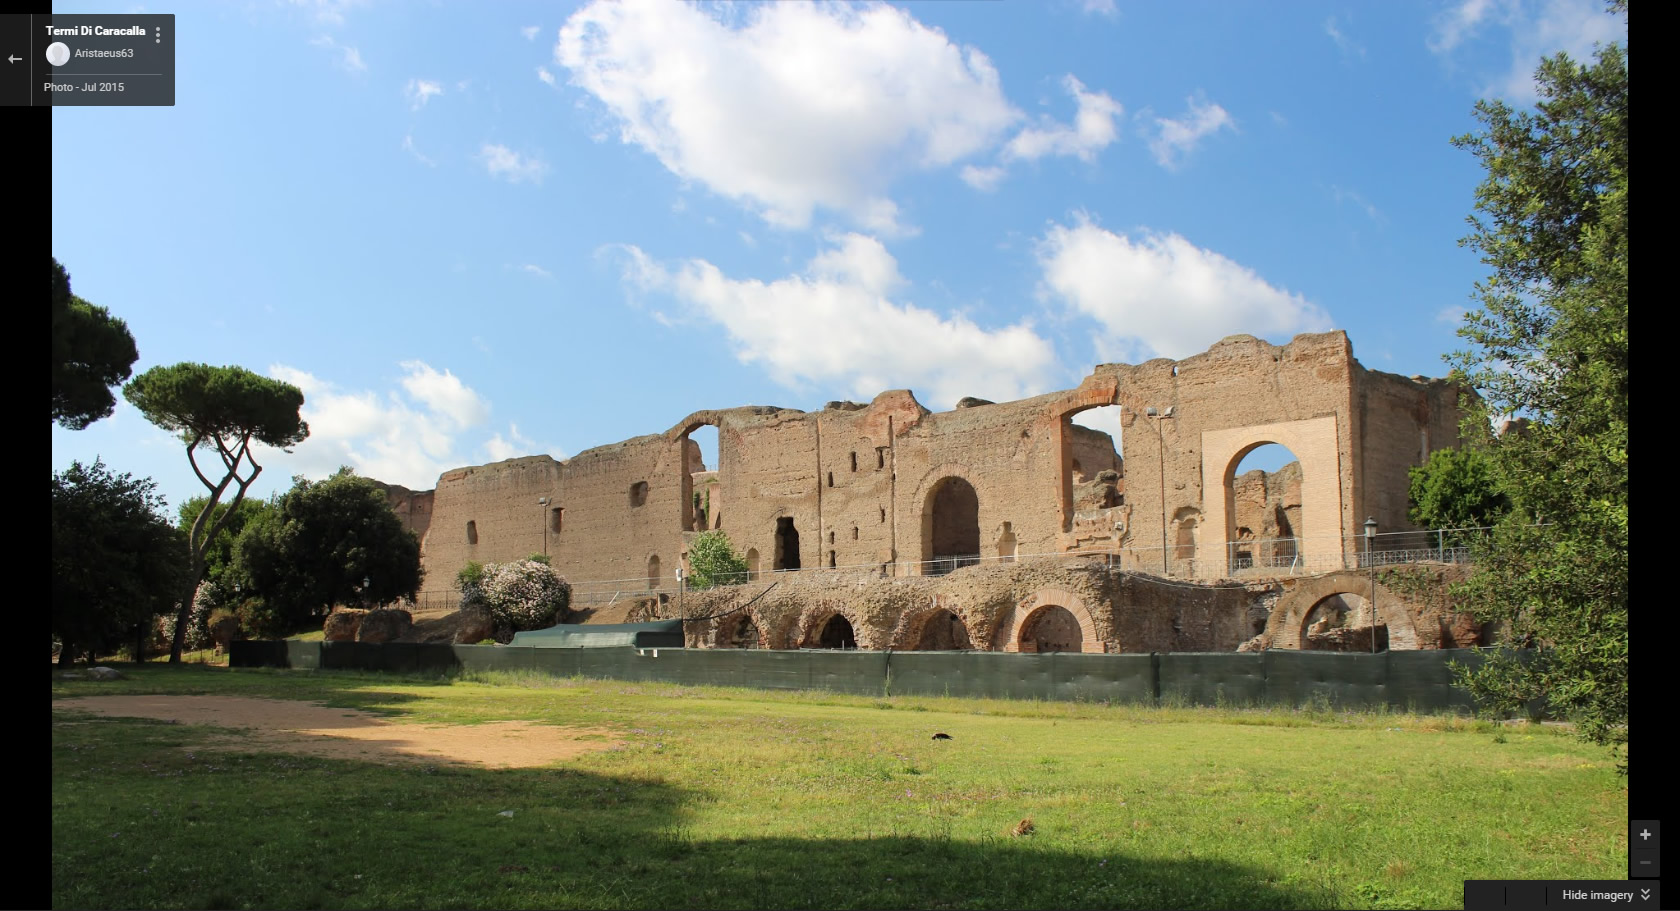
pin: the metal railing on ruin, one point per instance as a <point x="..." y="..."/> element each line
<point x="1247" y="559"/>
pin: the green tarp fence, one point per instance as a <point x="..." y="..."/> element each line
<point x="1414" y="681"/>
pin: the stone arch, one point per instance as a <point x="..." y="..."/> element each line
<point x="1290" y="615"/>
<point x="653" y="572"/>
<point x="1010" y="628"/>
<point x="807" y="630"/>
<point x="740" y="631"/>
<point x="679" y="438"/>
<point x="1315" y="445"/>
<point x="829" y="629"/>
<point x="923" y="500"/>
<point x="914" y="624"/>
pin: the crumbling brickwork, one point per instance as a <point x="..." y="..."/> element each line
<point x="889" y="491"/>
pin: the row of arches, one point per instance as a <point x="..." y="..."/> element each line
<point x="1037" y="625"/>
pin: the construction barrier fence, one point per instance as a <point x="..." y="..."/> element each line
<point x="1420" y="681"/>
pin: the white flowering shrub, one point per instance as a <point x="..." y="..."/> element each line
<point x="525" y="594"/>
<point x="209" y="597"/>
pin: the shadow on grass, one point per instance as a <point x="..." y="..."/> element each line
<point x="140" y="822"/>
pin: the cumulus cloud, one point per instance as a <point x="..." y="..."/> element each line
<point x="843" y="322"/>
<point x="505" y="164"/>
<point x="1159" y="295"/>
<point x="788" y="107"/>
<point x="420" y="91"/>
<point x="404" y="436"/>
<point x="1175" y="139"/>
<point x="983" y="178"/>
<point x="545" y="75"/>
<point x="512" y="446"/>
<point x="1092" y="130"/>
<point x="1534" y="29"/>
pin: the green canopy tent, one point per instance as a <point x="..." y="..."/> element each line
<point x="658" y="634"/>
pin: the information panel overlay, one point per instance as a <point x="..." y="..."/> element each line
<point x="63" y="59"/>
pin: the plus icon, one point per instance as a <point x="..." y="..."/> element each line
<point x="1646" y="834"/>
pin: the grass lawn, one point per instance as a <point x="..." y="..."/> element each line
<point x="723" y="798"/>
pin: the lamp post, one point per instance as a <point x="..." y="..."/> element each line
<point x="367" y="584"/>
<point x="543" y="502"/>
<point x="682" y="589"/>
<point x="1371" y="536"/>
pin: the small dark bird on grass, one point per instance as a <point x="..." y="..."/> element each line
<point x="942" y="737"/>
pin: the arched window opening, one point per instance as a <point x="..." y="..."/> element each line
<point x="1264" y="490"/>
<point x="653" y="572"/>
<point x="472" y="532"/>
<point x="786" y="556"/>
<point x="837" y="633"/>
<point x="638" y="494"/>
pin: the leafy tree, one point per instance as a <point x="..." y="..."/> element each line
<point x="218" y="558"/>
<point x="319" y="544"/>
<point x="224" y="409"/>
<point x="91" y="352"/>
<point x="1551" y="343"/>
<point x="713" y="561"/>
<point x="116" y="559"/>
<point x="1455" y="489"/>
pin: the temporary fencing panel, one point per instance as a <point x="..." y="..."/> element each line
<point x="1225" y="678"/>
<point x="1411" y="680"/>
<point x="1104" y="678"/>
<point x="1339" y="679"/>
<point x="1423" y="681"/>
<point x="658" y="634"/>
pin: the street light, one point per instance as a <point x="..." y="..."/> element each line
<point x="543" y="502"/>
<point x="366" y="584"/>
<point x="1370" y="536"/>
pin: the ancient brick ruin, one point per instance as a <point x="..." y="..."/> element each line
<point x="963" y="529"/>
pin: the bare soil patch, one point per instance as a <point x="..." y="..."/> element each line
<point x="300" y="727"/>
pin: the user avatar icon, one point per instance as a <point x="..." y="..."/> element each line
<point x="58" y="53"/>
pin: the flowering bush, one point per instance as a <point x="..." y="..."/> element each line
<point x="525" y="594"/>
<point x="209" y="597"/>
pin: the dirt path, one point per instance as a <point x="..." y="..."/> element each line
<point x="317" y="730"/>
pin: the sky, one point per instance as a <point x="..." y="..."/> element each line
<point x="471" y="232"/>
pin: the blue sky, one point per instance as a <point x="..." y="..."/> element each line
<point x="476" y="231"/>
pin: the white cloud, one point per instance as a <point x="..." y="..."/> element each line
<point x="842" y="323"/>
<point x="530" y="32"/>
<point x="512" y="446"/>
<point x="538" y="271"/>
<point x="1348" y="46"/>
<point x="348" y="57"/>
<point x="405" y="437"/>
<point x="445" y="394"/>
<point x="408" y="146"/>
<point x="1451" y="315"/>
<point x="1099" y="7"/>
<point x="1161" y="296"/>
<point x="1534" y="29"/>
<point x="545" y="75"/>
<point x="983" y="178"/>
<point x="1175" y="139"/>
<point x="1092" y="130"/>
<point x="420" y="91"/>
<point x="506" y="164"/>
<point x="787" y="107"/>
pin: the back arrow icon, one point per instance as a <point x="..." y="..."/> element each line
<point x="13" y="58"/>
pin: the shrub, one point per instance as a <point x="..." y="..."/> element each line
<point x="521" y="595"/>
<point x="470" y="582"/>
<point x="713" y="561"/>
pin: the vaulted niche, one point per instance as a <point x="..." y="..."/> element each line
<point x="952" y="526"/>
<point x="787" y="545"/>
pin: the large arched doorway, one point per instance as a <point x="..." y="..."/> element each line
<point x="1315" y="538"/>
<point x="1343" y="623"/>
<point x="1052" y="628"/>
<point x="953" y="526"/>
<point x="836" y="633"/>
<point x="943" y="632"/>
<point x="787" y="545"/>
<point x="1265" y="495"/>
